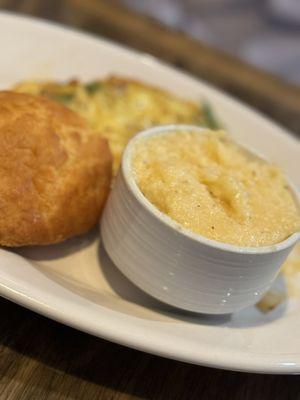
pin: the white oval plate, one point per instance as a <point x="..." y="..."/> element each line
<point x="76" y="284"/>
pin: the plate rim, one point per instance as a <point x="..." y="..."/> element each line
<point x="232" y="361"/>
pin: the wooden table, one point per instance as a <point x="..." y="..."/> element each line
<point x="41" y="359"/>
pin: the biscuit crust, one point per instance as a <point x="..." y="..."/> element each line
<point x="54" y="171"/>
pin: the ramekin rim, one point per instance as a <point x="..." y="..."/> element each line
<point x="150" y="208"/>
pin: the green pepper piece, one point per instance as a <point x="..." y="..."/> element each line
<point x="64" y="98"/>
<point x="93" y="87"/>
<point x="209" y="117"/>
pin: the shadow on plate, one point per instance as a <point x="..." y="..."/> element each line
<point x="59" y="250"/>
<point x="117" y="293"/>
<point x="125" y="289"/>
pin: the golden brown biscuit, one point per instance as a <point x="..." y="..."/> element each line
<point x="54" y="171"/>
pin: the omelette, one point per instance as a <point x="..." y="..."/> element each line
<point x="118" y="108"/>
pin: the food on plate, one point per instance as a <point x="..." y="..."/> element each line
<point x="291" y="272"/>
<point x="54" y="171"/>
<point x="271" y="300"/>
<point x="119" y="108"/>
<point x="212" y="186"/>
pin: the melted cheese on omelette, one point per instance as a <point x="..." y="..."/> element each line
<point x="118" y="108"/>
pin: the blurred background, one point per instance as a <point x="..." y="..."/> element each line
<point x="265" y="33"/>
<point x="248" y="48"/>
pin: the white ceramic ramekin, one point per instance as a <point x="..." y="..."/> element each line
<point x="174" y="265"/>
